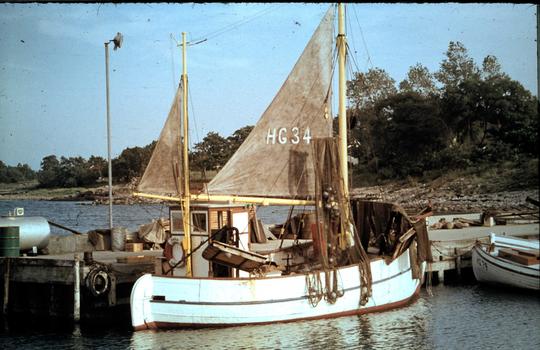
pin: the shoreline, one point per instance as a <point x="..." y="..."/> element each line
<point x="413" y="198"/>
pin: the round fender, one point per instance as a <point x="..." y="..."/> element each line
<point x="174" y="251"/>
<point x="98" y="281"/>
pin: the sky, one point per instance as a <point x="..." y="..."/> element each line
<point x="52" y="63"/>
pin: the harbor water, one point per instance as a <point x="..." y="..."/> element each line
<point x="463" y="315"/>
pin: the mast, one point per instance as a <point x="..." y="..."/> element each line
<point x="342" y="116"/>
<point x="185" y="201"/>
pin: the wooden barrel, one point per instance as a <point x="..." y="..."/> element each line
<point x="9" y="241"/>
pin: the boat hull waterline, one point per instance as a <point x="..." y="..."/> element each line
<point x="175" y="302"/>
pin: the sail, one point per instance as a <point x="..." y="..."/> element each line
<point x="276" y="158"/>
<point x="162" y="174"/>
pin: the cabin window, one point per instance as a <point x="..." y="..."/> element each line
<point x="199" y="222"/>
<point x="176" y="221"/>
<point x="220" y="219"/>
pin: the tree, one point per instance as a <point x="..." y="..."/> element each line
<point x="366" y="89"/>
<point x="457" y="67"/>
<point x="510" y="114"/>
<point x="13" y="174"/>
<point x="409" y="131"/>
<point x="49" y="173"/>
<point x="491" y="68"/>
<point x="98" y="165"/>
<point x="237" y="138"/>
<point x="211" y="153"/>
<point x="131" y="163"/>
<point x="419" y="80"/>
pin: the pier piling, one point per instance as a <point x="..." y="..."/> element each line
<point x="76" y="288"/>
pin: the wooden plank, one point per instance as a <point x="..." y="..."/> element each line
<point x="41" y="274"/>
<point x="136" y="259"/>
<point x="516" y="257"/>
<point x="407" y="235"/>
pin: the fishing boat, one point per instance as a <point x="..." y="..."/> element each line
<point x="509" y="261"/>
<point x="333" y="256"/>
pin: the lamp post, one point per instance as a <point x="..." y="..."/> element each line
<point x="117" y="44"/>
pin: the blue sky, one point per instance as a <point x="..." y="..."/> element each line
<point x="52" y="63"/>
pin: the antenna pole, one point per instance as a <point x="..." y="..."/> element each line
<point x="108" y="136"/>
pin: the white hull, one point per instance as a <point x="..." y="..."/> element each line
<point x="490" y="268"/>
<point x="165" y="302"/>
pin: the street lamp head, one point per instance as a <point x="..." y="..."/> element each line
<point x="118" y="41"/>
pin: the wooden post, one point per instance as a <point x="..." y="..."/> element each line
<point x="77" y="289"/>
<point x="112" y="290"/>
<point x="458" y="263"/>
<point x="440" y="276"/>
<point x="7" y="273"/>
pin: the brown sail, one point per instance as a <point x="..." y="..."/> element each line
<point x="276" y="158"/>
<point x="162" y="174"/>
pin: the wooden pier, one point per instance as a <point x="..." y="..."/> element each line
<point x="451" y="248"/>
<point x="80" y="286"/>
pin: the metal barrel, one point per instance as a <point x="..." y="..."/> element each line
<point x="34" y="231"/>
<point x="9" y="241"/>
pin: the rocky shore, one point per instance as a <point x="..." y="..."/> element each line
<point x="445" y="200"/>
<point x="459" y="195"/>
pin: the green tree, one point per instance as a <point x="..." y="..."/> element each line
<point x="98" y="165"/>
<point x="488" y="113"/>
<point x="409" y="131"/>
<point x="457" y="67"/>
<point x="491" y="68"/>
<point x="211" y="153"/>
<point x="419" y="80"/>
<point x="237" y="138"/>
<point x="49" y="173"/>
<point x="366" y="89"/>
<point x="13" y="174"/>
<point x="130" y="163"/>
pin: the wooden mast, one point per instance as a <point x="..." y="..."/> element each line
<point x="186" y="197"/>
<point x="342" y="117"/>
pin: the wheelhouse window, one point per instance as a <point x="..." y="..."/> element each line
<point x="176" y="221"/>
<point x="199" y="221"/>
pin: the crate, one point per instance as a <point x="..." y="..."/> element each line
<point x="134" y="247"/>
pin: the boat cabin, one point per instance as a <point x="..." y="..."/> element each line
<point x="207" y="219"/>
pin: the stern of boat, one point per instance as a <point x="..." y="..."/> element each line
<point x="140" y="300"/>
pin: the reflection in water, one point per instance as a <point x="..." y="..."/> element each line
<point x="484" y="317"/>
<point x="403" y="328"/>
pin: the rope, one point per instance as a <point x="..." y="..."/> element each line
<point x="463" y="248"/>
<point x="314" y="289"/>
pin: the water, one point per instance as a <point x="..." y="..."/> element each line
<point x="83" y="216"/>
<point x="468" y="316"/>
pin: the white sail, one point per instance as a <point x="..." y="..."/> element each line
<point x="276" y="158"/>
<point x="162" y="175"/>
